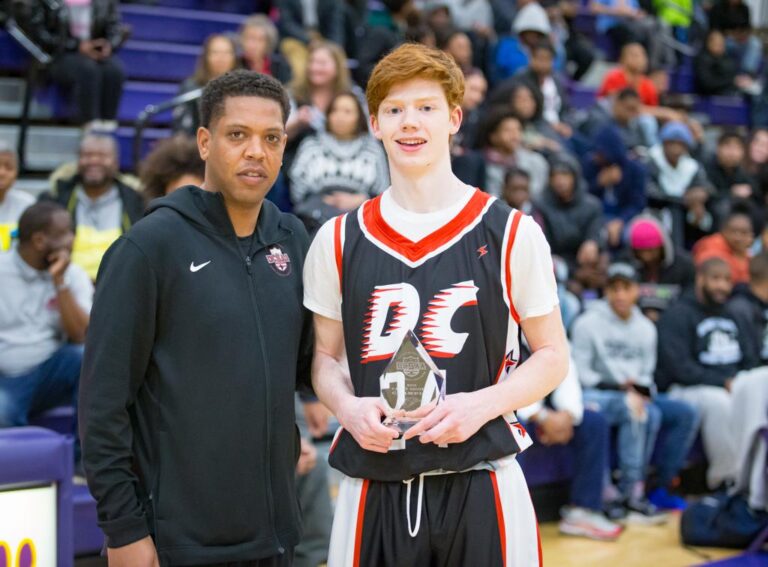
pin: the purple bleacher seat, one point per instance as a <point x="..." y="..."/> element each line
<point x="33" y="454"/>
<point x="232" y="6"/>
<point x="581" y="97"/>
<point x="154" y="23"/>
<point x="125" y="143"/>
<point x="137" y="95"/>
<point x="12" y="55"/>
<point x="157" y="61"/>
<point x="89" y="539"/>
<point x="60" y="419"/>
<point x="547" y="465"/>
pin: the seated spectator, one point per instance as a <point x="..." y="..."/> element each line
<point x="301" y="23"/>
<point x="219" y="56"/>
<point x="733" y="19"/>
<point x="579" y="49"/>
<point x="346" y="157"/>
<point x="172" y="163"/>
<point x="383" y="31"/>
<point x="731" y="245"/>
<point x="678" y="186"/>
<point x="457" y="44"/>
<point x="517" y="193"/>
<point x="715" y="72"/>
<point x="617" y="180"/>
<point x="258" y="40"/>
<point x="101" y="204"/>
<point x="700" y="353"/>
<point x="531" y="26"/>
<point x="326" y="76"/>
<point x="44" y="312"/>
<point x="664" y="270"/>
<point x="727" y="173"/>
<point x="750" y="303"/>
<point x="538" y="135"/>
<point x="756" y="162"/>
<point x="500" y="139"/>
<point x="614" y="347"/>
<point x="571" y="218"/>
<point x="475" y="89"/>
<point x="472" y="16"/>
<point x="561" y="419"/>
<point x="83" y="38"/>
<point x="620" y="110"/>
<point x="13" y="202"/>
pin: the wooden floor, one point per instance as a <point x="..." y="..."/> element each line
<point x="638" y="546"/>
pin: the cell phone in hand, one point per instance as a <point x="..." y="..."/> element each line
<point x="643" y="390"/>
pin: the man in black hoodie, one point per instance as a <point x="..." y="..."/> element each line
<point x="197" y="339"/>
<point x="750" y="304"/>
<point x="701" y="350"/>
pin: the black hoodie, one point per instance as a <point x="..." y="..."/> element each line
<point x="187" y="392"/>
<point x="753" y="311"/>
<point x="698" y="345"/>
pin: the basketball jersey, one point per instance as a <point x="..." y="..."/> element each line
<point x="453" y="288"/>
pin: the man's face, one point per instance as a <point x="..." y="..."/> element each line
<point x="730" y="153"/>
<point x="563" y="185"/>
<point x="415" y="124"/>
<point x="541" y="62"/>
<point x="649" y="256"/>
<point x="97" y="163"/>
<point x="475" y="88"/>
<point x="715" y="285"/>
<point x="674" y="150"/>
<point x="243" y="149"/>
<point x="739" y="234"/>
<point x="634" y="59"/>
<point x="622" y="296"/>
<point x="9" y="170"/>
<point x="59" y="236"/>
<point x="516" y="191"/>
<point x="625" y="111"/>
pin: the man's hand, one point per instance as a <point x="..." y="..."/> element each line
<point x="316" y="415"/>
<point x="454" y="420"/>
<point x="103" y="48"/>
<point x="589" y="253"/>
<point x="563" y="129"/>
<point x="140" y="553"/>
<point x="88" y="48"/>
<point x="614" y="228"/>
<point x="556" y="428"/>
<point x="59" y="261"/>
<point x="741" y="190"/>
<point x="362" y="418"/>
<point x="307" y="458"/>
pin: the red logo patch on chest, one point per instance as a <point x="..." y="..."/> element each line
<point x="279" y="261"/>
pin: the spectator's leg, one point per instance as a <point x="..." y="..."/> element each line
<point x="590" y="440"/>
<point x="581" y="53"/>
<point x="714" y="406"/>
<point x="680" y="422"/>
<point x="15" y="397"/>
<point x="652" y="432"/>
<point x="112" y="79"/>
<point x="317" y="516"/>
<point x="752" y="56"/>
<point x="82" y="77"/>
<point x="649" y="129"/>
<point x="750" y="413"/>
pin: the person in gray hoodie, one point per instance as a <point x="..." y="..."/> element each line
<point x="614" y="347"/>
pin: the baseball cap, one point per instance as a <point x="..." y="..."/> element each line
<point x="676" y="132"/>
<point x="621" y="271"/>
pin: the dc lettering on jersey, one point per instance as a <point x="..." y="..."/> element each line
<point x="396" y="308"/>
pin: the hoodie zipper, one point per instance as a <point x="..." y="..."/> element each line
<point x="267" y="399"/>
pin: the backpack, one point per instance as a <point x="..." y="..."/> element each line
<point x="722" y="521"/>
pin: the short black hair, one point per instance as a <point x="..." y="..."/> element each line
<point x="627" y="93"/>
<point x="496" y="115"/>
<point x="543" y="44"/>
<point x="516" y="172"/>
<point x="240" y="83"/>
<point x="758" y="267"/>
<point x="729" y="135"/>
<point x="710" y="264"/>
<point x="37" y="218"/>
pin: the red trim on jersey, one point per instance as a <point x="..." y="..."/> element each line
<point x="337" y="244"/>
<point x="508" y="256"/>
<point x="538" y="535"/>
<point x="359" y="528"/>
<point x="500" y="518"/>
<point x="414" y="251"/>
<point x="335" y="441"/>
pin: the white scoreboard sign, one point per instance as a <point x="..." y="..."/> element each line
<point x="28" y="527"/>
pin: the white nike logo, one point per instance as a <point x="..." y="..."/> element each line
<point x="193" y="268"/>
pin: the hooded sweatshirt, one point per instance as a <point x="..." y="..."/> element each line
<point x="194" y="348"/>
<point x="752" y="311"/>
<point x="567" y="225"/>
<point x="698" y="345"/>
<point x="627" y="198"/>
<point x="609" y="351"/>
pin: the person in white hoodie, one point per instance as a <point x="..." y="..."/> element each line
<point x="614" y="347"/>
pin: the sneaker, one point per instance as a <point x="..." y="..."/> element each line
<point x="588" y="523"/>
<point x="662" y="499"/>
<point x="642" y="512"/>
<point x="615" y="511"/>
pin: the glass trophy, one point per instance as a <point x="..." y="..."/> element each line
<point x="410" y="380"/>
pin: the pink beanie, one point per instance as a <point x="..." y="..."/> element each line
<point x="645" y="234"/>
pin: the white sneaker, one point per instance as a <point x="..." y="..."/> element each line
<point x="588" y="523"/>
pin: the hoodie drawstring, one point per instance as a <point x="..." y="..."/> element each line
<point x="415" y="530"/>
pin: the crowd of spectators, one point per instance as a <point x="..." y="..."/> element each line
<point x="659" y="235"/>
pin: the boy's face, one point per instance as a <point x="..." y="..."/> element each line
<point x="8" y="171"/>
<point x="730" y="152"/>
<point x="674" y="150"/>
<point x="415" y="124"/>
